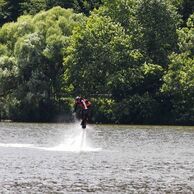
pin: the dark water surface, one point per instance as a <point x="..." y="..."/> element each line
<point x="61" y="158"/>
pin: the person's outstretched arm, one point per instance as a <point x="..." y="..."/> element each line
<point x="85" y="106"/>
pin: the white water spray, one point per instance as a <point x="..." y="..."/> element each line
<point x="16" y="145"/>
<point x="75" y="139"/>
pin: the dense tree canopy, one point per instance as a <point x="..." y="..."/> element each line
<point x="158" y="22"/>
<point x="133" y="59"/>
<point x="179" y="79"/>
<point x="10" y="10"/>
<point x="99" y="51"/>
<point x="35" y="54"/>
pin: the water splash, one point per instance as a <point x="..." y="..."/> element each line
<point x="75" y="140"/>
<point x="75" y="143"/>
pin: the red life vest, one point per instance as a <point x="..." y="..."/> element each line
<point x="84" y="103"/>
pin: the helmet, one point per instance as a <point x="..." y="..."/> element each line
<point x="77" y="98"/>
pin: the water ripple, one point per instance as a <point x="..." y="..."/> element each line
<point x="58" y="158"/>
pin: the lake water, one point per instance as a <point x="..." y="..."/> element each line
<point x="62" y="158"/>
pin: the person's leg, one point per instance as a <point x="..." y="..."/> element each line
<point x="84" y="118"/>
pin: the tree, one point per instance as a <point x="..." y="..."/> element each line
<point x="187" y="9"/>
<point x="86" y="6"/>
<point x="124" y="12"/>
<point x="184" y="7"/>
<point x="32" y="6"/>
<point x="9" y="10"/>
<point x="10" y="32"/>
<point x="151" y="25"/>
<point x="178" y="81"/>
<point x="37" y="44"/>
<point x="159" y="23"/>
<point x="98" y="52"/>
<point x="121" y="11"/>
<point x="2" y="11"/>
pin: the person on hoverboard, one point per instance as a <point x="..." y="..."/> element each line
<point x="85" y="105"/>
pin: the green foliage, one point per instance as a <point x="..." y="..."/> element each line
<point x="3" y="50"/>
<point x="125" y="83"/>
<point x="118" y="55"/>
<point x="151" y="25"/>
<point x="136" y="109"/>
<point x="122" y="11"/>
<point x="152" y="78"/>
<point x="8" y="73"/>
<point x="103" y="110"/>
<point x="61" y="3"/>
<point x="35" y="46"/>
<point x="86" y="6"/>
<point x="2" y="11"/>
<point x="184" y="7"/>
<point x="125" y="13"/>
<point x="8" y="81"/>
<point x="9" y="10"/>
<point x="97" y="52"/>
<point x="186" y="37"/>
<point x="32" y="6"/>
<point x="187" y="9"/>
<point x="10" y="32"/>
<point x="179" y="80"/>
<point x="180" y="73"/>
<point x="83" y="6"/>
<point x="159" y="23"/>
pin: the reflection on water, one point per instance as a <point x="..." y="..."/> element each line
<point x="59" y="158"/>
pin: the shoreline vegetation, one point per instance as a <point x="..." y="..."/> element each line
<point x="134" y="60"/>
